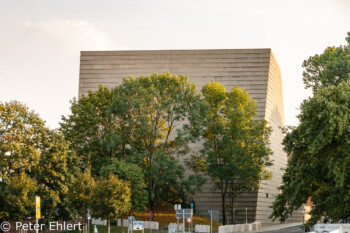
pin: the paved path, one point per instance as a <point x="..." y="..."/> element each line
<point x="287" y="228"/>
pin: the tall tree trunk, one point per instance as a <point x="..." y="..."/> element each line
<point x="223" y="197"/>
<point x="223" y="208"/>
<point x="152" y="207"/>
<point x="83" y="220"/>
<point x="122" y="222"/>
<point x="109" y="224"/>
<point x="150" y="187"/>
<point x="85" y="223"/>
<point x="232" y="204"/>
<point x="150" y="199"/>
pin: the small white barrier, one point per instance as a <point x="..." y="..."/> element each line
<point x="230" y="228"/>
<point x="236" y="228"/>
<point x="248" y="227"/>
<point x="125" y="223"/>
<point x="151" y="225"/>
<point x="202" y="228"/>
<point x="98" y="221"/>
<point x="172" y="227"/>
<point x="256" y="226"/>
<point x="222" y="229"/>
<point x="240" y="227"/>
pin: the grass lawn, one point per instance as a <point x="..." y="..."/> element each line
<point x="164" y="214"/>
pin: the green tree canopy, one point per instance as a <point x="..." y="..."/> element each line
<point x="90" y="131"/>
<point x="31" y="154"/>
<point x="81" y="194"/>
<point x="147" y="121"/>
<point x="133" y="174"/>
<point x="160" y="115"/>
<point x="111" y="199"/>
<point x="236" y="152"/>
<point x="319" y="144"/>
<point x="329" y="68"/>
<point x="17" y="196"/>
<point x="320" y="158"/>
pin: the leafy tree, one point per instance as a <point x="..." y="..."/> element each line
<point x="30" y="153"/>
<point x="160" y="116"/>
<point x="235" y="152"/>
<point x="133" y="174"/>
<point x="21" y="131"/>
<point x="111" y="199"/>
<point x="90" y="130"/>
<point x="81" y="194"/>
<point x="147" y="121"/>
<point x="318" y="166"/>
<point x="187" y="189"/>
<point x="52" y="173"/>
<point x="329" y="68"/>
<point x="319" y="145"/>
<point x="17" y="197"/>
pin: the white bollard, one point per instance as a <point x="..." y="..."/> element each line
<point x="256" y="226"/>
<point x="222" y="229"/>
<point x="155" y="225"/>
<point x="125" y="223"/>
<point x="98" y="221"/>
<point x="230" y="228"/>
<point x="240" y="227"/>
<point x="173" y="227"/>
<point x="236" y="228"/>
<point x="248" y="227"/>
<point x="202" y="228"/>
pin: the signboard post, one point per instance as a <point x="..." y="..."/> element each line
<point x="151" y="217"/>
<point x="189" y="221"/>
<point x="183" y="213"/>
<point x="177" y="207"/>
<point x="214" y="214"/>
<point x="37" y="210"/>
<point x="191" y="225"/>
<point x="211" y="220"/>
<point x="183" y="220"/>
<point x="130" y="223"/>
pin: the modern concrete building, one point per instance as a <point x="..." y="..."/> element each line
<point x="255" y="70"/>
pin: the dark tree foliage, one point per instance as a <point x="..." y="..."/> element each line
<point x="329" y="68"/>
<point x="318" y="168"/>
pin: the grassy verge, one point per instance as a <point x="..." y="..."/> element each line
<point x="164" y="214"/>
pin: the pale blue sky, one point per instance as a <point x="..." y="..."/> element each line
<point x="41" y="40"/>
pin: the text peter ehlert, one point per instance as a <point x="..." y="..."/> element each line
<point x="53" y="226"/>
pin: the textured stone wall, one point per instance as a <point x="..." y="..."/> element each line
<point x="255" y="70"/>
